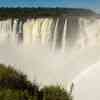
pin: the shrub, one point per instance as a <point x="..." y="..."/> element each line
<point x="11" y="94"/>
<point x="15" y="82"/>
<point x="14" y="85"/>
<point x="55" y="93"/>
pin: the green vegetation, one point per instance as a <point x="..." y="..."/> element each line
<point x="11" y="94"/>
<point x="14" y="85"/>
<point x="42" y="12"/>
<point x="55" y="93"/>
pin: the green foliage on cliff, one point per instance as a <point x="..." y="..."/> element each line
<point x="14" y="85"/>
<point x="11" y="94"/>
<point x="42" y="12"/>
<point x="10" y="78"/>
<point x="55" y="93"/>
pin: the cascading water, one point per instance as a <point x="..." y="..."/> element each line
<point x="24" y="42"/>
<point x="54" y="32"/>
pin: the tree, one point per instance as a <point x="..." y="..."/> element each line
<point x="14" y="85"/>
<point x="55" y="93"/>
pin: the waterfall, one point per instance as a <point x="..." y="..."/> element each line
<point x="55" y="34"/>
<point x="19" y="37"/>
<point x="64" y="36"/>
<point x="60" y="32"/>
<point x="89" y="33"/>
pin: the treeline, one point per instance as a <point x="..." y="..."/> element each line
<point x="14" y="85"/>
<point x="42" y="12"/>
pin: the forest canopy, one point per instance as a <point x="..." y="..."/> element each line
<point x="43" y="12"/>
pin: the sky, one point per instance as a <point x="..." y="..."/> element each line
<point x="93" y="4"/>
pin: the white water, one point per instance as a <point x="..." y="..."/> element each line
<point x="87" y="84"/>
<point x="31" y="47"/>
